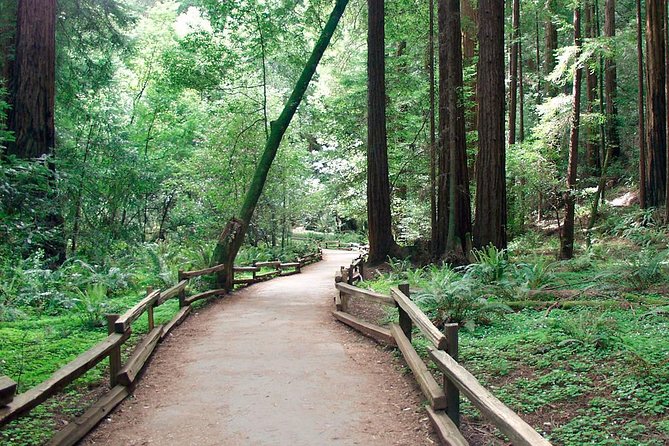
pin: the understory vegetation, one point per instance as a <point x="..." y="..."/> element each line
<point x="577" y="347"/>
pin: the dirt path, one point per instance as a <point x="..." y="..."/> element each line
<point x="269" y="366"/>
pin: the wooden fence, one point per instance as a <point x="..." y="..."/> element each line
<point x="444" y="399"/>
<point x="123" y="377"/>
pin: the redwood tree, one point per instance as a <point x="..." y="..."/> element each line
<point x="591" y="149"/>
<point x="490" y="221"/>
<point x="640" y="105"/>
<point x="656" y="120"/>
<point x="459" y="202"/>
<point x="32" y="80"/>
<point x="567" y="232"/>
<point x="381" y="241"/>
<point x="611" y="83"/>
<point x="513" y="70"/>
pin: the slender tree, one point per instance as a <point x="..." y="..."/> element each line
<point x="513" y="70"/>
<point x="490" y="220"/>
<point x="640" y="105"/>
<point x="443" y="155"/>
<point x="381" y="241"/>
<point x="433" y="131"/>
<point x="567" y="233"/>
<point x="232" y="237"/>
<point x="591" y="147"/>
<point x="611" y="81"/>
<point x="551" y="38"/>
<point x="656" y="155"/>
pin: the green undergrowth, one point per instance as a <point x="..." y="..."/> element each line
<point x="48" y="318"/>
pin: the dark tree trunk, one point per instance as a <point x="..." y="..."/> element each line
<point x="469" y="25"/>
<point x="459" y="219"/>
<point x="232" y="237"/>
<point x="7" y="33"/>
<point x="611" y="83"/>
<point x="551" y="39"/>
<point x="490" y="222"/>
<point x="641" y="104"/>
<point x="433" y="140"/>
<point x="32" y="86"/>
<point x="655" y="68"/>
<point x="443" y="156"/>
<point x="567" y="232"/>
<point x="591" y="147"/>
<point x="513" y="70"/>
<point x="381" y="242"/>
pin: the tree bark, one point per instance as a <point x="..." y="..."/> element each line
<point x="551" y="39"/>
<point x="459" y="219"/>
<point x="567" y="232"/>
<point x="381" y="242"/>
<point x="640" y="105"/>
<point x="443" y="155"/>
<point x="513" y="70"/>
<point x="32" y="86"/>
<point x="656" y="99"/>
<point x="232" y="237"/>
<point x="469" y="23"/>
<point x="591" y="147"/>
<point x="490" y="221"/>
<point x="611" y="83"/>
<point x="433" y="140"/>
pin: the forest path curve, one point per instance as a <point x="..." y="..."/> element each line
<point x="268" y="365"/>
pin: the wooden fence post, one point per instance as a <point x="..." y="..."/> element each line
<point x="452" y="392"/>
<point x="114" y="354"/>
<point x="149" y="310"/>
<point x="405" y="320"/>
<point x="182" y="293"/>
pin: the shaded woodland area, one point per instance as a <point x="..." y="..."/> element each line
<point x="509" y="159"/>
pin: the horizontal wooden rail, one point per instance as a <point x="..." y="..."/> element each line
<point x="432" y="333"/>
<point x="432" y="391"/>
<point x="201" y="272"/>
<point x="290" y="265"/>
<point x="272" y="264"/>
<point x="448" y="432"/>
<point x="369" y="329"/>
<point x="64" y="376"/>
<point x="507" y="421"/>
<point x="246" y="269"/>
<point x="176" y="320"/>
<point x="365" y="294"/>
<point x="206" y="294"/>
<point x="75" y="431"/>
<point x="123" y="323"/>
<point x="136" y="362"/>
<point x="171" y="292"/>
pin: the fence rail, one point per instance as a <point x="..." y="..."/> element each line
<point x="123" y="377"/>
<point x="444" y="400"/>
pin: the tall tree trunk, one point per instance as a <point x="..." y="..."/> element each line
<point x="381" y="242"/>
<point x="567" y="233"/>
<point x="666" y="113"/>
<point x="7" y="33"/>
<point x="539" y="71"/>
<point x="490" y="221"/>
<point x="521" y="95"/>
<point x="655" y="68"/>
<point x="591" y="147"/>
<point x="32" y="87"/>
<point x="433" y="140"/>
<point x="611" y="81"/>
<point x="443" y="154"/>
<point x="469" y="23"/>
<point x="640" y="105"/>
<point x="232" y="237"/>
<point x="551" y="40"/>
<point x="459" y="221"/>
<point x="513" y="70"/>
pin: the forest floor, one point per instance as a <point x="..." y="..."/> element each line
<point x="270" y="366"/>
